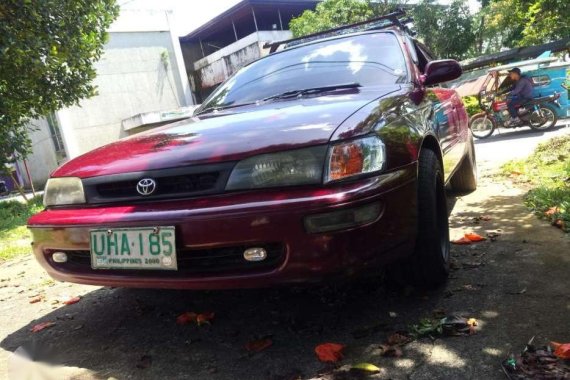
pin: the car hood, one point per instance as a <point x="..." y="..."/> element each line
<point x="225" y="136"/>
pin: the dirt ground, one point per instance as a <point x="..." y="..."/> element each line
<point x="516" y="287"/>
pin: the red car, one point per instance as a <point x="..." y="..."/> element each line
<point x="328" y="158"/>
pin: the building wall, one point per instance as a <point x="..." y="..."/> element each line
<point x="43" y="159"/>
<point x="213" y="69"/>
<point x="140" y="71"/>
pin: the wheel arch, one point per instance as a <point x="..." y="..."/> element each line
<point x="432" y="143"/>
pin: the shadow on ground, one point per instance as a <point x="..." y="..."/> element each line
<point x="132" y="334"/>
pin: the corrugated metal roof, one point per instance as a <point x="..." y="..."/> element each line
<point x="214" y="23"/>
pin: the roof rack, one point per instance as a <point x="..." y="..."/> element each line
<point x="394" y="19"/>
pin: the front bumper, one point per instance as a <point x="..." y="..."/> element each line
<point x="212" y="232"/>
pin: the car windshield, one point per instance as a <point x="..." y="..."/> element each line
<point x="367" y="60"/>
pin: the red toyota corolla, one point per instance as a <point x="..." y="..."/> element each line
<point x="328" y="158"/>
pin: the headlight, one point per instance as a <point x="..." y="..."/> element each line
<point x="63" y="191"/>
<point x="294" y="167"/>
<point x="355" y="157"/>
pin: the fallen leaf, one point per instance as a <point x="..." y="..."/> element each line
<point x="461" y="241"/>
<point x="559" y="223"/>
<point x="561" y="350"/>
<point x="472" y="236"/>
<point x="36" y="299"/>
<point x="144" y="362"/>
<point x="398" y="338"/>
<point x="472" y="322"/>
<point x="258" y="345"/>
<point x="186" y="318"/>
<point x="330" y="352"/>
<point x="42" y="326"/>
<point x="72" y="300"/>
<point x="367" y="367"/>
<point x="551" y="211"/>
<point x="205" y="318"/>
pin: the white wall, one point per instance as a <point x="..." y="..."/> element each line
<point x="140" y="71"/>
<point x="43" y="159"/>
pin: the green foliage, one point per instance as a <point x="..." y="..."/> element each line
<point x="501" y="25"/>
<point x="471" y="105"/>
<point x="13" y="232"/>
<point x="451" y="30"/>
<point x="446" y="30"/>
<point x="329" y="14"/>
<point x="548" y="170"/>
<point x="434" y="23"/>
<point x="546" y="20"/>
<point x="510" y="23"/>
<point x="47" y="50"/>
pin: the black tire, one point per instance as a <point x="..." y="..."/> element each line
<point x="429" y="264"/>
<point x="464" y="180"/>
<point x="550" y="114"/>
<point x="482" y="126"/>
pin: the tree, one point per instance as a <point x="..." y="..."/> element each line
<point x="546" y="21"/>
<point x="435" y="23"/>
<point x="511" y="23"/>
<point x="446" y="30"/>
<point x="329" y="14"/>
<point x="47" y="51"/>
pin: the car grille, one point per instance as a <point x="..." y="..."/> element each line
<point x="170" y="184"/>
<point x="165" y="185"/>
<point x="191" y="262"/>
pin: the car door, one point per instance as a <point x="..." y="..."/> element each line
<point x="448" y="118"/>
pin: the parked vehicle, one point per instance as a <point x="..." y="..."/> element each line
<point x="328" y="158"/>
<point x="541" y="113"/>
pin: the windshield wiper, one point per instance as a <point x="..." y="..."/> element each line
<point x="220" y="108"/>
<point x="311" y="91"/>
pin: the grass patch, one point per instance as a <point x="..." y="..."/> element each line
<point x="14" y="236"/>
<point x="547" y="170"/>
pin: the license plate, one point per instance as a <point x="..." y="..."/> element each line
<point x="133" y="248"/>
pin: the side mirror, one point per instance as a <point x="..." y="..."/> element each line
<point x="441" y="71"/>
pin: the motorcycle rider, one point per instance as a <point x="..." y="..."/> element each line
<point x="519" y="93"/>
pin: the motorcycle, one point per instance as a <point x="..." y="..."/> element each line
<point x="536" y="114"/>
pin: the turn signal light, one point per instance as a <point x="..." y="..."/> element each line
<point x="346" y="160"/>
<point x="355" y="157"/>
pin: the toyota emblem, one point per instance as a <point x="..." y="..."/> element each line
<point x="146" y="186"/>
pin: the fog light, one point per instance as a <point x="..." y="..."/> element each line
<point x="255" y="254"/>
<point x="59" y="257"/>
<point x="343" y="219"/>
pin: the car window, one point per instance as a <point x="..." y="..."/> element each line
<point x="368" y="59"/>
<point x="422" y="56"/>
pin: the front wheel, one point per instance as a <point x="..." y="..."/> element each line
<point x="482" y="126"/>
<point x="544" y="119"/>
<point x="429" y="264"/>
